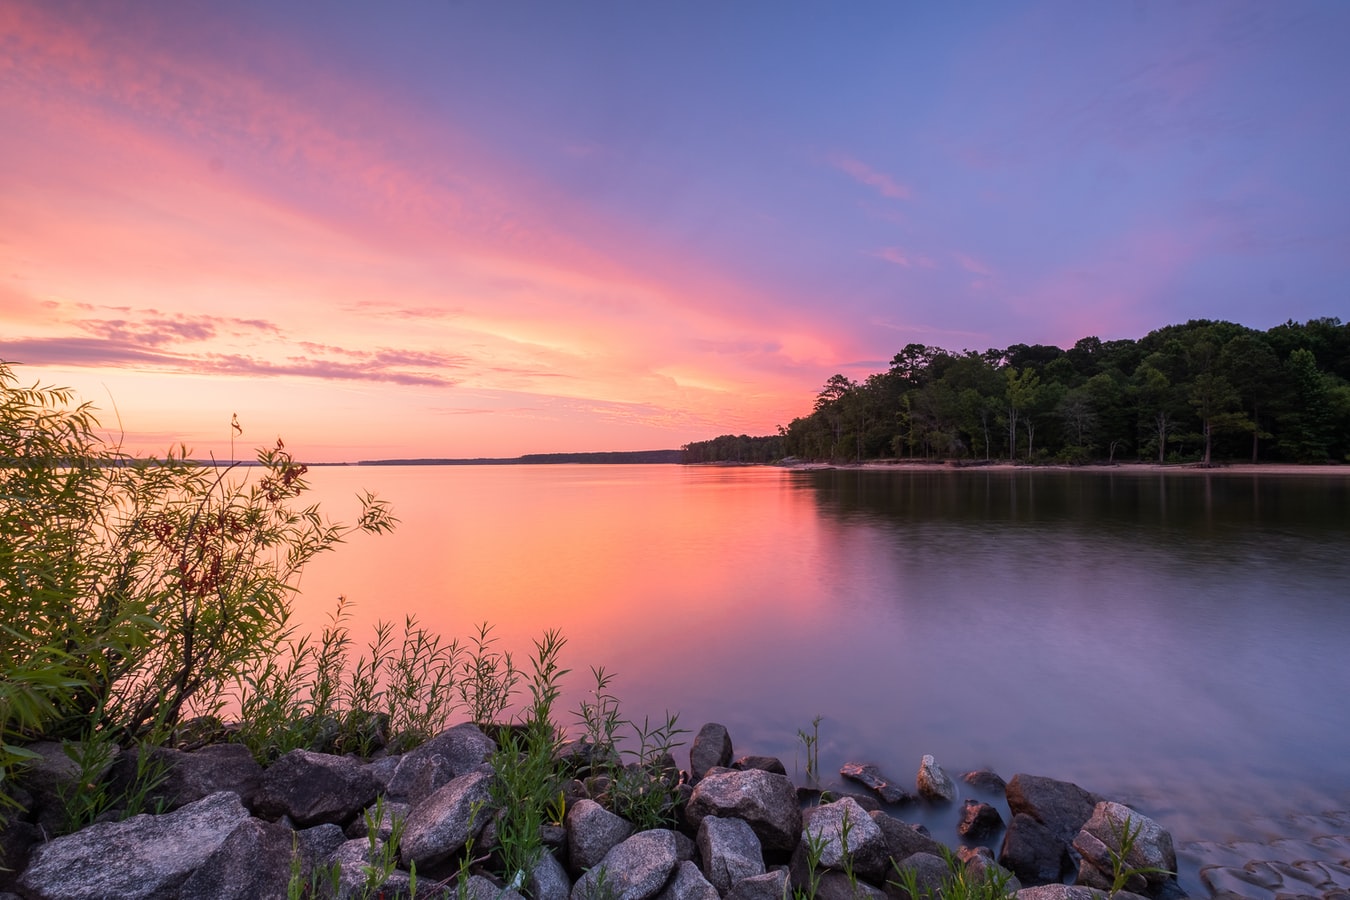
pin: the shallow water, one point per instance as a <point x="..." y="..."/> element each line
<point x="1173" y="641"/>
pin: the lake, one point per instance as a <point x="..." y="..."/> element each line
<point x="1173" y="640"/>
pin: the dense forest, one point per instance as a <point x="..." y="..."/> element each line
<point x="1203" y="392"/>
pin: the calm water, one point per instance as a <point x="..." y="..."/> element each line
<point x="1176" y="641"/>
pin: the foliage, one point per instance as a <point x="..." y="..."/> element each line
<point x="1198" y="392"/>
<point x="811" y="743"/>
<point x="958" y="884"/>
<point x="136" y="590"/>
<point x="1124" y="875"/>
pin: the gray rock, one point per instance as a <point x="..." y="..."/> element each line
<point x="687" y="883"/>
<point x="383" y="769"/>
<point x="766" y="801"/>
<point x="637" y="868"/>
<point x="480" y="888"/>
<point x="930" y="873"/>
<point x="851" y="838"/>
<point x="56" y="773"/>
<point x="465" y="747"/>
<point x="979" y="821"/>
<point x="254" y="861"/>
<point x="711" y="748"/>
<point x="1100" y="840"/>
<point x="767" y="763"/>
<point x="592" y="831"/>
<point x="548" y="879"/>
<point x="870" y="777"/>
<point x="1061" y="806"/>
<point x="318" y="843"/>
<point x="933" y="783"/>
<point x="769" y="886"/>
<point x="442" y="824"/>
<point x="729" y="850"/>
<point x="981" y="866"/>
<point x="903" y="839"/>
<point x="17" y="840"/>
<point x="142" y="857"/>
<point x="314" y="788"/>
<point x="1033" y="852"/>
<point x="389" y="811"/>
<point x="1064" y="892"/>
<point x="188" y="777"/>
<point x="418" y="776"/>
<point x="355" y="860"/>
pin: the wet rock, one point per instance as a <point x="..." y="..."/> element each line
<point x="442" y="824"/>
<point x="1033" y="852"/>
<point x="987" y="781"/>
<point x="766" y="763"/>
<point x="979" y="821"/>
<point x="313" y="788"/>
<point x="711" y="748"/>
<point x="142" y="857"/>
<point x="1061" y="806"/>
<point x="592" y="831"/>
<point x="766" y="801"/>
<point x="933" y="783"/>
<point x="869" y="776"/>
<point x="729" y="850"/>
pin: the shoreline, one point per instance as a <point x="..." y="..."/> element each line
<point x="1132" y="468"/>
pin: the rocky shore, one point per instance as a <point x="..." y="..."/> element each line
<point x="229" y="828"/>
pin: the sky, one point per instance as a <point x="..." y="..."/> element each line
<point x="466" y="229"/>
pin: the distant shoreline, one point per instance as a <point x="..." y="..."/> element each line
<point x="1138" y="468"/>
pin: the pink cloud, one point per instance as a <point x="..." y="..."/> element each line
<point x="863" y="174"/>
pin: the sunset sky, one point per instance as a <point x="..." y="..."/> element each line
<point x="480" y="228"/>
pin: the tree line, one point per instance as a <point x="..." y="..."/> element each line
<point x="1202" y="392"/>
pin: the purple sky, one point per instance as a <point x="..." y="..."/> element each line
<point x="557" y="226"/>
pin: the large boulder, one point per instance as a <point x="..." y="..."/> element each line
<point x="314" y="788"/>
<point x="142" y="858"/>
<point x="1061" y="806"/>
<point x="637" y="868"/>
<point x="1117" y="833"/>
<point x="769" y="886"/>
<point x="768" y="802"/>
<point x="456" y="751"/>
<point x="188" y="777"/>
<point x="1033" y="852"/>
<point x="870" y="777"/>
<point x="442" y="824"/>
<point x="730" y="851"/>
<point x="711" y="749"/>
<point x="934" y="784"/>
<point x="592" y="831"/>
<point x="981" y="867"/>
<point x="849" y="839"/>
<point x="57" y="770"/>
<point x="929" y="871"/>
<point x="254" y="861"/>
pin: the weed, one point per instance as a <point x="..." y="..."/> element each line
<point x="488" y="678"/>
<point x="957" y="884"/>
<point x="812" y="744"/>
<point x="815" y="849"/>
<point x="1122" y="874"/>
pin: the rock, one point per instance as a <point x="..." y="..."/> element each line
<point x="1066" y="892"/>
<point x="985" y="780"/>
<point x="836" y="886"/>
<point x="354" y="860"/>
<point x="314" y="788"/>
<point x="422" y="771"/>
<point x="869" y="776"/>
<point x="188" y="777"/>
<point x="17" y="839"/>
<point x="981" y="867"/>
<point x="730" y="852"/>
<point x="766" y="801"/>
<point x="592" y="831"/>
<point x="687" y="883"/>
<point x="711" y="748"/>
<point x="850" y="836"/>
<point x="933" y="783"/>
<point x="1099" y="842"/>
<point x="56" y="773"/>
<point x="254" y="861"/>
<point x="769" y="886"/>
<point x="318" y="843"/>
<point x="480" y="888"/>
<point x="635" y="869"/>
<point x="979" y="821"/>
<point x="766" y="763"/>
<point x="142" y="857"/>
<point x="417" y="777"/>
<point x="389" y="811"/>
<point x="1061" y="806"/>
<point x="442" y="824"/>
<point x="930" y="873"/>
<point x="903" y="839"/>
<point x="548" y="880"/>
<point x="1033" y="852"/>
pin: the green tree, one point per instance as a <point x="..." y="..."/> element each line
<point x="1307" y="424"/>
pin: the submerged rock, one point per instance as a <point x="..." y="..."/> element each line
<point x="870" y="777"/>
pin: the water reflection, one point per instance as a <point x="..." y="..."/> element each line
<point x="1173" y="641"/>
